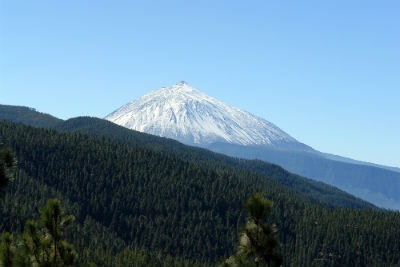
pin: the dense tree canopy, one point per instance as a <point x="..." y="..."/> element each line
<point x="7" y="165"/>
<point x="154" y="207"/>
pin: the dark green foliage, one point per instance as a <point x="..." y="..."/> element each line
<point x="146" y="203"/>
<point x="7" y="166"/>
<point x="258" y="245"/>
<point x="53" y="222"/>
<point x="316" y="191"/>
<point x="40" y="246"/>
<point x="258" y="208"/>
<point x="27" y="116"/>
<point x="7" y="249"/>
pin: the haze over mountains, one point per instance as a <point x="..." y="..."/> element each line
<point x="186" y="114"/>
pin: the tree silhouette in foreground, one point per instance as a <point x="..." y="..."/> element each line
<point x="41" y="244"/>
<point x="258" y="245"/>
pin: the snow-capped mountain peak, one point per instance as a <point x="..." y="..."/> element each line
<point x="190" y="116"/>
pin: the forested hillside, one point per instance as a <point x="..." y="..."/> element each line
<point x="319" y="192"/>
<point x="140" y="204"/>
<point x="27" y="116"/>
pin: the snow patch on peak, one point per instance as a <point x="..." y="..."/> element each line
<point x="188" y="115"/>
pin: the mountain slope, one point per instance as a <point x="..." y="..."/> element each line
<point x="168" y="204"/>
<point x="376" y="185"/>
<point x="190" y="116"/>
<point x="315" y="191"/>
<point x="27" y="116"/>
<point x="183" y="113"/>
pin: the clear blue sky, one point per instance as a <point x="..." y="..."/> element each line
<point x="326" y="72"/>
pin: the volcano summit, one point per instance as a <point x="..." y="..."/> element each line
<point x="186" y="114"/>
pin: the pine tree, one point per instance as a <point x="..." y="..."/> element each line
<point x="258" y="245"/>
<point x="7" y="249"/>
<point x="41" y="244"/>
<point x="7" y="166"/>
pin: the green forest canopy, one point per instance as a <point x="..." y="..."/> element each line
<point x="141" y="202"/>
